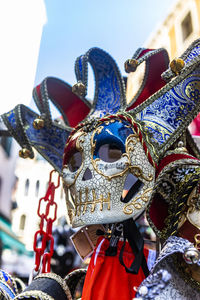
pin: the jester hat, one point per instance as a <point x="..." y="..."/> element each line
<point x="108" y="151"/>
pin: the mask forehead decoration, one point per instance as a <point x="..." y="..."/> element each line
<point x="113" y="148"/>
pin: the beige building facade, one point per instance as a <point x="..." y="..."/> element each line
<point x="33" y="177"/>
<point x="177" y="31"/>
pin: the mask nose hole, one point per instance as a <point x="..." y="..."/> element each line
<point x="87" y="175"/>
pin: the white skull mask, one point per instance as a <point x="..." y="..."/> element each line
<point x="107" y="173"/>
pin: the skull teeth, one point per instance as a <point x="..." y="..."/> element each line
<point x="81" y="205"/>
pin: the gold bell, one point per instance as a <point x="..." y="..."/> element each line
<point x="181" y="147"/>
<point x="24" y="153"/>
<point x="38" y="123"/>
<point x="130" y="65"/>
<point x="79" y="89"/>
<point x="191" y="255"/>
<point x="177" y="65"/>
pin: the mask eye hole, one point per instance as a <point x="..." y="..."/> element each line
<point x="109" y="152"/>
<point x="75" y="162"/>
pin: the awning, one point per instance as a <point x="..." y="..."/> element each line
<point x="9" y="238"/>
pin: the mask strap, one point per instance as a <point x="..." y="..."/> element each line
<point x="132" y="234"/>
<point x="115" y="236"/>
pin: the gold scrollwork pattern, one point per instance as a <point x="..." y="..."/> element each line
<point x="139" y="173"/>
<point x="138" y="202"/>
<point x="94" y="161"/>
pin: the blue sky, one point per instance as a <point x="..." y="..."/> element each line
<point x="119" y="27"/>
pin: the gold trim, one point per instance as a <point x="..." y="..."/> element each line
<point x="59" y="280"/>
<point x="109" y="177"/>
<point x="21" y="283"/>
<point x="9" y="287"/>
<point x="80" y="149"/>
<point x="145" y="135"/>
<point x="137" y="171"/>
<point x="128" y="210"/>
<point x="182" y="188"/>
<point x="11" y="282"/>
<point x="39" y="295"/>
<point x="69" y="204"/>
<point x="197" y="241"/>
<point x="192" y="208"/>
<point x="128" y="164"/>
<point x="133" y="135"/>
<point x="127" y="154"/>
<point x="78" y="202"/>
<point x="73" y="136"/>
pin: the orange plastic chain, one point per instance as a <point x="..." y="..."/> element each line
<point x="47" y="211"/>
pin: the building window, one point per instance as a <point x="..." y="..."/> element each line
<point x="26" y="187"/>
<point x="186" y="26"/>
<point x="37" y="188"/>
<point x="22" y="222"/>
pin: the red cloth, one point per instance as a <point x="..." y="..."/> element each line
<point x="107" y="279"/>
<point x="194" y="127"/>
<point x="156" y="65"/>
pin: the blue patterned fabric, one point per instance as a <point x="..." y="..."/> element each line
<point x="109" y="90"/>
<point x="80" y="65"/>
<point x="163" y="118"/>
<point x="194" y="53"/>
<point x="6" y="277"/>
<point x="49" y="141"/>
<point x="113" y="133"/>
<point x="11" y="116"/>
<point x="167" y="113"/>
<point x="8" y="290"/>
<point x="81" y="69"/>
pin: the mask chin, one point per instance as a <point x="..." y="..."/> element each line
<point x="132" y="186"/>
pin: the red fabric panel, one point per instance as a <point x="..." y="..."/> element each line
<point x="73" y="107"/>
<point x="158" y="63"/>
<point x="170" y="158"/>
<point x="188" y="231"/>
<point x="159" y="208"/>
<point x="39" y="92"/>
<point x="143" y="52"/>
<point x="158" y="212"/>
<point x="195" y="126"/>
<point x="69" y="150"/>
<point x="106" y="278"/>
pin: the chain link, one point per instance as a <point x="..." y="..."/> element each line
<point x="47" y="211"/>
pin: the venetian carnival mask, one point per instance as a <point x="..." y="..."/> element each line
<point x="113" y="148"/>
<point x="108" y="173"/>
